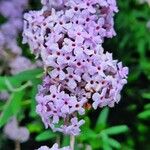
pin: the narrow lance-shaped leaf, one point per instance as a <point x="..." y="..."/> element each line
<point x="147" y="106"/>
<point x="46" y="135"/>
<point x="144" y="115"/>
<point x="33" y="95"/>
<point x="12" y="107"/>
<point x="116" y="130"/>
<point x="105" y="144"/>
<point x="146" y="95"/>
<point x="17" y="80"/>
<point x="102" y="119"/>
<point x="113" y="143"/>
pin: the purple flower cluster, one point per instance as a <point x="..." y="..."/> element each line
<point x="10" y="51"/>
<point x="16" y="133"/>
<point x="57" y="4"/>
<point x="69" y="40"/>
<point x="13" y="14"/>
<point x="4" y="95"/>
<point x="80" y="27"/>
<point x="20" y="64"/>
<point x="55" y="147"/>
<point x="59" y="105"/>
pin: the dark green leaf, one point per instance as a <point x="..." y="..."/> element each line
<point x="46" y="135"/>
<point x="101" y="122"/>
<point x="146" y="95"/>
<point x="116" y="130"/>
<point x="12" y="107"/>
<point x="66" y="140"/>
<point x="114" y="143"/>
<point x="144" y="115"/>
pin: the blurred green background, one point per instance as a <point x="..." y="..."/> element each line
<point x="124" y="127"/>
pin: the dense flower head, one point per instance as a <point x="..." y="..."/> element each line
<point x="57" y="4"/>
<point x="16" y="133"/>
<point x="14" y="8"/>
<point x="55" y="106"/>
<point x="20" y="64"/>
<point x="54" y="147"/>
<point x="69" y="41"/>
<point x="14" y="21"/>
<point x="67" y="91"/>
<point x="83" y="23"/>
<point x="10" y="52"/>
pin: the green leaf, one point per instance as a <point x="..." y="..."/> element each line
<point x="33" y="101"/>
<point x="142" y="128"/>
<point x="35" y="127"/>
<point x="66" y="140"/>
<point x="147" y="106"/>
<point x="144" y="115"/>
<point x="87" y="134"/>
<point x="113" y="143"/>
<point x="33" y="95"/>
<point x="18" y="79"/>
<point x="46" y="135"/>
<point x="96" y="143"/>
<point x="12" y="107"/>
<point x="116" y="130"/>
<point x="27" y="75"/>
<point x="105" y="144"/>
<point x="146" y="95"/>
<point x="102" y="119"/>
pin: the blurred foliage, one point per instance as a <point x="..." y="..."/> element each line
<point x="126" y="126"/>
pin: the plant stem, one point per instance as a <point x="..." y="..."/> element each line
<point x="17" y="145"/>
<point x="72" y="142"/>
<point x="58" y="140"/>
<point x="13" y="89"/>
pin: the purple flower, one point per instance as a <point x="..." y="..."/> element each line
<point x="57" y="4"/>
<point x="16" y="133"/>
<point x="57" y="72"/>
<point x="57" y="106"/>
<point x="68" y="36"/>
<point x="20" y="64"/>
<point x="72" y="78"/>
<point x="4" y="95"/>
<point x="54" y="147"/>
<point x="74" y="127"/>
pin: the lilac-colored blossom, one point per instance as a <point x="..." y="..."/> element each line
<point x="54" y="147"/>
<point x="69" y="41"/>
<point x="20" y="64"/>
<point x="57" y="4"/>
<point x="4" y="95"/>
<point x="10" y="51"/>
<point x="16" y="133"/>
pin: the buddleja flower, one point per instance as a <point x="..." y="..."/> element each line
<point x="54" y="147"/>
<point x="20" y="64"/>
<point x="57" y="4"/>
<point x="10" y="51"/>
<point x="69" y="40"/>
<point x="16" y="133"/>
<point x="4" y="95"/>
<point x="14" y="13"/>
<point x="85" y="22"/>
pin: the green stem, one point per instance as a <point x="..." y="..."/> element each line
<point x="12" y="89"/>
